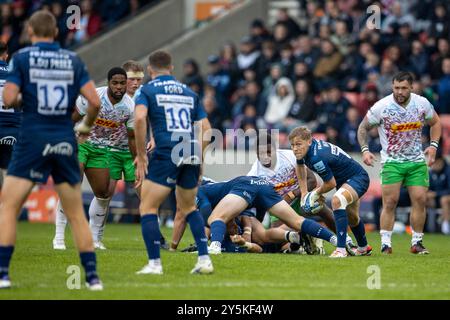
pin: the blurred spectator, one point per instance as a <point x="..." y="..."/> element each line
<point x="440" y="28"/>
<point x="303" y="110"/>
<point x="228" y="59"/>
<point x="287" y="60"/>
<point x="280" y="35"/>
<point x="395" y="18"/>
<point x="252" y="95"/>
<point x="269" y="56"/>
<point x="443" y="51"/>
<point x="305" y="52"/>
<point x="248" y="54"/>
<point x="302" y="72"/>
<point x="342" y="38"/>
<point x="438" y="195"/>
<point x="292" y="26"/>
<point x="367" y="99"/>
<point x="276" y="72"/>
<point x="192" y="76"/>
<point x="90" y="24"/>
<point x="418" y="60"/>
<point x="349" y="132"/>
<point x="220" y="80"/>
<point x="279" y="102"/>
<point x="113" y="10"/>
<point x="212" y="111"/>
<point x="443" y="88"/>
<point x="259" y="33"/>
<point x="328" y="63"/>
<point x="333" y="110"/>
<point x="384" y="83"/>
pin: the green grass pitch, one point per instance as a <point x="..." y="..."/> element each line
<point x="38" y="272"/>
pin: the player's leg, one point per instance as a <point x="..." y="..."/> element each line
<point x="14" y="194"/>
<point x="285" y="213"/>
<point x="417" y="194"/>
<point x="99" y="181"/>
<point x="153" y="195"/>
<point x="61" y="219"/>
<point x="72" y="204"/>
<point x="227" y="209"/>
<point x="445" y="205"/>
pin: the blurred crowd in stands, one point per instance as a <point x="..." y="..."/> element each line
<point x="325" y="68"/>
<point x="95" y="16"/>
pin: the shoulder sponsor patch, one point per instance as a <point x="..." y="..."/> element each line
<point x="319" y="166"/>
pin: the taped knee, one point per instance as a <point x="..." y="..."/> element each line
<point x="340" y="202"/>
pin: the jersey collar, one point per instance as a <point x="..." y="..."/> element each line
<point x="47" y="45"/>
<point x="164" y="78"/>
<point x="311" y="148"/>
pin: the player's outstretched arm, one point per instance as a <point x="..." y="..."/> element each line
<point x="435" y="136"/>
<point x="363" y="131"/>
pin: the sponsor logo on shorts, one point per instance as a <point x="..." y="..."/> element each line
<point x="8" y="141"/>
<point x="404" y="127"/>
<point x="259" y="182"/>
<point x="62" y="149"/>
<point x="107" y="123"/>
<point x="36" y="175"/>
<point x="246" y="194"/>
<point x="171" y="181"/>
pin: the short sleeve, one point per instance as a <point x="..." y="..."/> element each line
<point x="130" y="122"/>
<point x="374" y="114"/>
<point x="142" y="98"/>
<point x="14" y="72"/>
<point x="322" y="169"/>
<point x="429" y="109"/>
<point x="81" y="105"/>
<point x="254" y="170"/>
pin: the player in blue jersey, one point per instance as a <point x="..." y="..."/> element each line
<point x="9" y="118"/>
<point x="174" y="112"/>
<point x="50" y="80"/>
<point x="337" y="170"/>
<point x="229" y="199"/>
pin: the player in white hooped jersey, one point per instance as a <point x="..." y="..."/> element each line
<point x="400" y="118"/>
<point x="113" y="130"/>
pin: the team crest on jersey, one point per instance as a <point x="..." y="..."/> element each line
<point x="8" y="141"/>
<point x="107" y="123"/>
<point x="61" y="149"/>
<point x="404" y="127"/>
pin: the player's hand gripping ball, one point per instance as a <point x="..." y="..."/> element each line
<point x="312" y="202"/>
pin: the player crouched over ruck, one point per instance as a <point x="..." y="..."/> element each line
<point x="337" y="170"/>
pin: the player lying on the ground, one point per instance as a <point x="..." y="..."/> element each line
<point x="112" y="129"/>
<point x="272" y="240"/>
<point x="48" y="144"/>
<point x="337" y="170"/>
<point x="231" y="198"/>
<point x="279" y="168"/>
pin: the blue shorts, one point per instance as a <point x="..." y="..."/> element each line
<point x="8" y="138"/>
<point x="36" y="159"/>
<point x="163" y="171"/>
<point x="257" y="192"/>
<point x="359" y="182"/>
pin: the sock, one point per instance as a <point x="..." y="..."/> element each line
<point x="97" y="216"/>
<point x="151" y="235"/>
<point x="60" y="222"/>
<point x="349" y="240"/>
<point x="316" y="230"/>
<point x="89" y="263"/>
<point x="360" y="234"/>
<point x="416" y="237"/>
<point x="341" y="220"/>
<point x="5" y="259"/>
<point x="386" y="237"/>
<point x="292" y="237"/>
<point x="197" y="226"/>
<point x="218" y="229"/>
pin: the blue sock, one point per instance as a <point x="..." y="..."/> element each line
<point x="341" y="220"/>
<point x="151" y="235"/>
<point x="197" y="225"/>
<point x="360" y="234"/>
<point x="5" y="258"/>
<point x="89" y="263"/>
<point x="218" y="229"/>
<point x="316" y="230"/>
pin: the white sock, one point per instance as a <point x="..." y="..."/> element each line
<point x="416" y="237"/>
<point x="386" y="237"/>
<point x="60" y="223"/>
<point x="154" y="262"/>
<point x="333" y="240"/>
<point x="445" y="227"/>
<point x="204" y="258"/>
<point x="216" y="243"/>
<point x="97" y="217"/>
